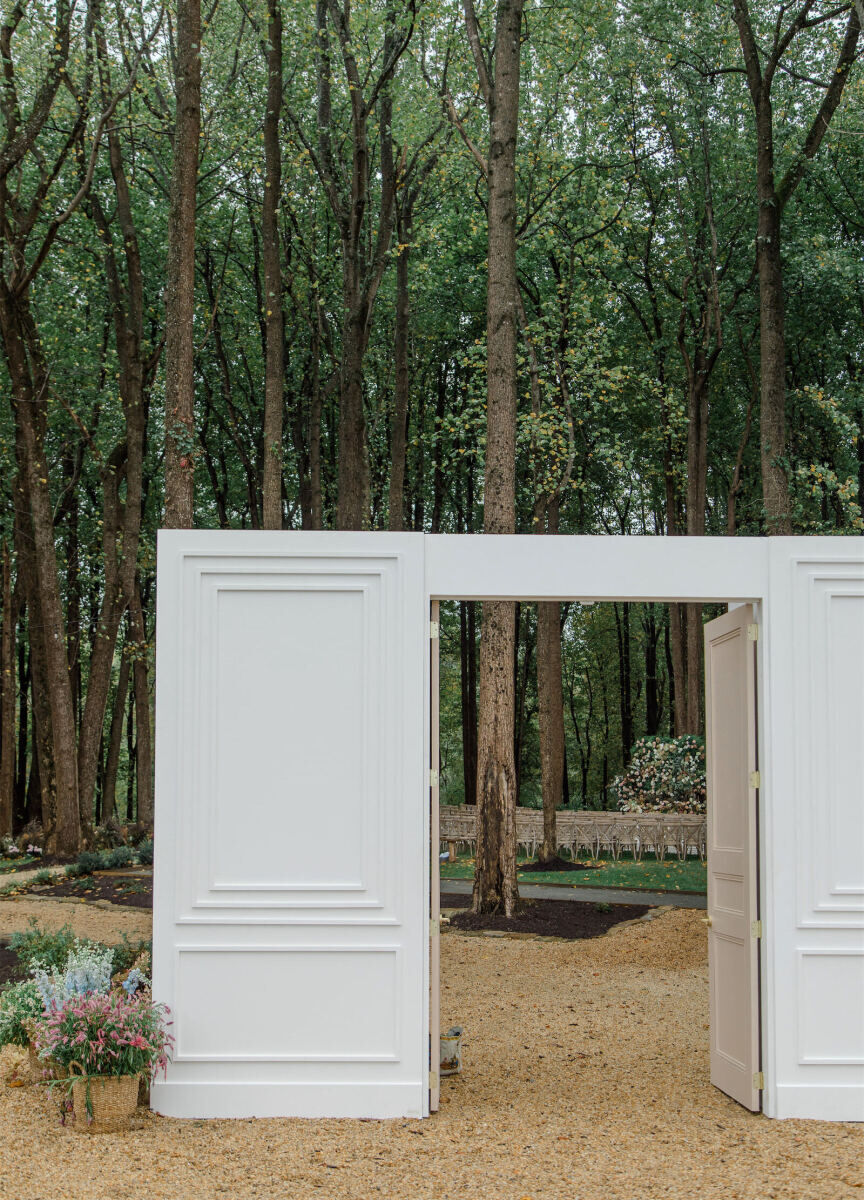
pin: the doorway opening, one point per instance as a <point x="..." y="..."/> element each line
<point x="655" y="761"/>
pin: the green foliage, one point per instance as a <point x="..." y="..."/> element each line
<point x="20" y="1007"/>
<point x="145" y="852"/>
<point x="47" y="947"/>
<point x="90" y="861"/>
<point x="120" y="856"/>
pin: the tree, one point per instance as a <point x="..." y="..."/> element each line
<point x="773" y="196"/>
<point x="180" y="273"/>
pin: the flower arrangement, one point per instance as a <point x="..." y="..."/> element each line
<point x="87" y="969"/>
<point x="20" y="1006"/>
<point x="665" y="775"/>
<point x="106" y="1035"/>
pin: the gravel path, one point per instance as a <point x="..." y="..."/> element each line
<point x="585" y="1078"/>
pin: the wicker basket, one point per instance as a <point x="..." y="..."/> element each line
<point x="43" y="1069"/>
<point x="113" y="1099"/>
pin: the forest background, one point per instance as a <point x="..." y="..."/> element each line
<point x="590" y="268"/>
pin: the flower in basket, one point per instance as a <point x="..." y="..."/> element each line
<point x="106" y="1035"/>
<point x="105" y="1043"/>
<point x="20" y="1006"/>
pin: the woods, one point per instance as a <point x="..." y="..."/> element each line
<point x="455" y="267"/>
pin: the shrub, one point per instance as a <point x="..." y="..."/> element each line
<point x="145" y="852"/>
<point x="120" y="856"/>
<point x="109" y="835"/>
<point x="130" y="954"/>
<point x="20" y="1004"/>
<point x="43" y="947"/>
<point x="44" y="876"/>
<point x="665" y="775"/>
<point x="74" y="870"/>
<point x="87" y="969"/>
<point x="89" y="861"/>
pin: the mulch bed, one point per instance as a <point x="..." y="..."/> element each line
<point x="558" y="864"/>
<point x="572" y="919"/>
<point x="8" y="965"/>
<point x="133" y="891"/>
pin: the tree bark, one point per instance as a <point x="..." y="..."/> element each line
<point x="180" y="274"/>
<point x="115" y="741"/>
<point x="7" y="694"/>
<point x="495" y="886"/>
<point x="550" y="710"/>
<point x="399" y="424"/>
<point x="273" y="316"/>
<point x="143" y="740"/>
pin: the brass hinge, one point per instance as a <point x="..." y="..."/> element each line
<point x="756" y="929"/>
<point x="434" y="630"/>
<point x="755" y="780"/>
<point x="752" y="633"/>
<point x="433" y="778"/>
<point x="758" y="1081"/>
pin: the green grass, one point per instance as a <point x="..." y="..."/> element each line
<point x="647" y="875"/>
<point x="17" y="864"/>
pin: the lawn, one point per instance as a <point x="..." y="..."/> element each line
<point x="648" y="875"/>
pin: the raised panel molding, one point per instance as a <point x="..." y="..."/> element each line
<point x="831" y="1007"/>
<point x="354" y="1019"/>
<point x="828" y="632"/>
<point x="226" y="874"/>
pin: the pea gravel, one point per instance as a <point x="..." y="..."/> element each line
<point x="585" y="1078"/>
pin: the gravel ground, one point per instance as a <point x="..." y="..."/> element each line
<point x="585" y="1077"/>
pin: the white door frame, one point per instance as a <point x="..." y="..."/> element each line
<point x="808" y="599"/>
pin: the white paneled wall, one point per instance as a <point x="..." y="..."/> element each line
<point x="815" y="827"/>
<point x="291" y="890"/>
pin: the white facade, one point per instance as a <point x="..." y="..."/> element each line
<point x="291" y="906"/>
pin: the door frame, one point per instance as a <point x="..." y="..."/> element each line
<point x="625" y="569"/>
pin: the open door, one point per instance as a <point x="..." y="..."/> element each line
<point x="434" y="868"/>
<point x="733" y="901"/>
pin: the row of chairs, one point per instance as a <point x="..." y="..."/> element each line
<point x="588" y="834"/>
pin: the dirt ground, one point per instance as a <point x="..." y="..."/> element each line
<point x="585" y="1078"/>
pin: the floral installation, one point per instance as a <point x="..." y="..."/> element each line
<point x="99" y="1034"/>
<point x="665" y="775"/>
<point x="87" y="969"/>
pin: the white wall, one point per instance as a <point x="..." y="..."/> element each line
<point x="813" y="831"/>
<point x="298" y="976"/>
<point x="290" y="890"/>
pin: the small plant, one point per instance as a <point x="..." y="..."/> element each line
<point x="89" y="861"/>
<point x="145" y="852"/>
<point x="106" y="1035"/>
<point x="9" y="848"/>
<point x="132" y="954"/>
<point x="43" y="947"/>
<point x="35" y="850"/>
<point x="120" y="856"/>
<point x="74" y="870"/>
<point x="87" y="969"/>
<point x="43" y="876"/>
<point x="20" y="1006"/>
<point x="602" y="907"/>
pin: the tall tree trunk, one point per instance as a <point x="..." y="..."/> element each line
<point x="495" y="886"/>
<point x="180" y="274"/>
<point x="7" y="694"/>
<point x="399" y="424"/>
<point x="115" y="741"/>
<point x="273" y="316"/>
<point x="550" y="709"/>
<point x="143" y="741"/>
<point x="20" y="806"/>
<point x="697" y="475"/>
<point x="468" y="679"/>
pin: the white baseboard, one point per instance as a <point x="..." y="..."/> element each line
<point x="317" y="1100"/>
<point x="819" y="1102"/>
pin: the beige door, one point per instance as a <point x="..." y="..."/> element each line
<point x="434" y="870"/>
<point x="733" y="930"/>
